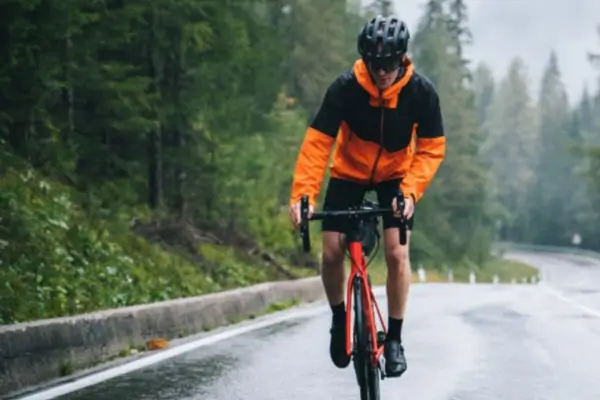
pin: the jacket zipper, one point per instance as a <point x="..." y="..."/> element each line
<point x="380" y="141"/>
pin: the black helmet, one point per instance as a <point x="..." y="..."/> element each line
<point x="383" y="37"/>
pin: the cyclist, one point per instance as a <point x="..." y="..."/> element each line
<point x="386" y="122"/>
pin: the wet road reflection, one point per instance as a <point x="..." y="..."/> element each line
<point x="463" y="342"/>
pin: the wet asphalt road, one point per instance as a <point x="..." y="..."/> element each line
<point x="463" y="342"/>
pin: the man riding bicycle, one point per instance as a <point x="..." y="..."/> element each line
<point x="385" y="120"/>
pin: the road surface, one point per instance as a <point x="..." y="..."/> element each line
<point x="463" y="342"/>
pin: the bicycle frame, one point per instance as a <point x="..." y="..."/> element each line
<point x="358" y="270"/>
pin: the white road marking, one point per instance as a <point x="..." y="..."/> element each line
<point x="95" y="378"/>
<point x="582" y="307"/>
<point x="163" y="355"/>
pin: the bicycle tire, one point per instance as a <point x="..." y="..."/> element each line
<point x="360" y="357"/>
<point x="373" y="373"/>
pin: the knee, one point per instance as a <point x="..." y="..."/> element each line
<point x="333" y="251"/>
<point x="397" y="257"/>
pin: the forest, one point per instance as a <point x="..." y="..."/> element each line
<point x="147" y="148"/>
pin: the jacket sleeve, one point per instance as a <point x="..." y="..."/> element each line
<point x="431" y="146"/>
<point x="316" y="147"/>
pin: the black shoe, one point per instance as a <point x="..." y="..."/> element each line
<point x="337" y="346"/>
<point x="395" y="362"/>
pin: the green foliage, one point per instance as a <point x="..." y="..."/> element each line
<point x="119" y="117"/>
<point x="125" y="114"/>
<point x="55" y="261"/>
<point x="507" y="271"/>
<point x="230" y="270"/>
<point x="454" y="217"/>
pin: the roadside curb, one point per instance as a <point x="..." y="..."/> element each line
<point x="36" y="352"/>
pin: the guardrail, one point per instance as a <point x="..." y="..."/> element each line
<point x="473" y="278"/>
<point x="501" y="247"/>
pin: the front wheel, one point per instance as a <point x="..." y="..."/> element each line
<point x="372" y="377"/>
<point x="360" y="356"/>
<point x="373" y="372"/>
<point x="367" y="374"/>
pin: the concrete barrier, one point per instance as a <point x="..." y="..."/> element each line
<point x="36" y="352"/>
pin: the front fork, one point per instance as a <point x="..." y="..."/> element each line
<point x="358" y="271"/>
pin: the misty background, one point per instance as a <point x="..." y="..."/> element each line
<point x="530" y="29"/>
<point x="147" y="148"/>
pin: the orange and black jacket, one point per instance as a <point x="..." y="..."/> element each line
<point x="397" y="133"/>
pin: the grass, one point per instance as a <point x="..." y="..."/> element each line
<point x="506" y="270"/>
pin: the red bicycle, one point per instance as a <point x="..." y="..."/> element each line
<point x="366" y="348"/>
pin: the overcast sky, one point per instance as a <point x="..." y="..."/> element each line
<point x="503" y="29"/>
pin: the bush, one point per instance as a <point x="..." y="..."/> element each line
<point x="55" y="262"/>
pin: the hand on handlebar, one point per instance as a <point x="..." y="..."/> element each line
<point x="295" y="214"/>
<point x="302" y="212"/>
<point x="409" y="207"/>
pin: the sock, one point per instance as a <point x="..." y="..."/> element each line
<point x="395" y="328"/>
<point x="339" y="314"/>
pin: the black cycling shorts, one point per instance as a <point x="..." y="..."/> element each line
<point x="342" y="194"/>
